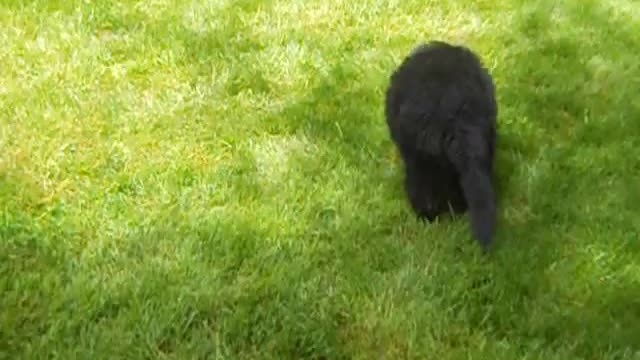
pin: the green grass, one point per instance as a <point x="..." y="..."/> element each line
<point x="213" y="179"/>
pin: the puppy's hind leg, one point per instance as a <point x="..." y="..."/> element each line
<point x="418" y="195"/>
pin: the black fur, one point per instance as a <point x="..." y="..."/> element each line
<point x="441" y="112"/>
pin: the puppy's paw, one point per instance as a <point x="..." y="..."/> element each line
<point x="425" y="218"/>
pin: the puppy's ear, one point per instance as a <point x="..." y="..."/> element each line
<point x="471" y="159"/>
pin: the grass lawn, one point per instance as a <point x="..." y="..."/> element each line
<point x="213" y="179"/>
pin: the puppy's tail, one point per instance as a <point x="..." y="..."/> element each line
<point x="472" y="158"/>
<point x="478" y="190"/>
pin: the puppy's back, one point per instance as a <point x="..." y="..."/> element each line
<point x="437" y="77"/>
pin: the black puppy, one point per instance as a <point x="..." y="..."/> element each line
<point x="441" y="112"/>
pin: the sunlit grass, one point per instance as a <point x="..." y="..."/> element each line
<point x="214" y="179"/>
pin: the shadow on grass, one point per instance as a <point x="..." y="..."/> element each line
<point x="572" y="168"/>
<point x="578" y="175"/>
<point x="258" y="300"/>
